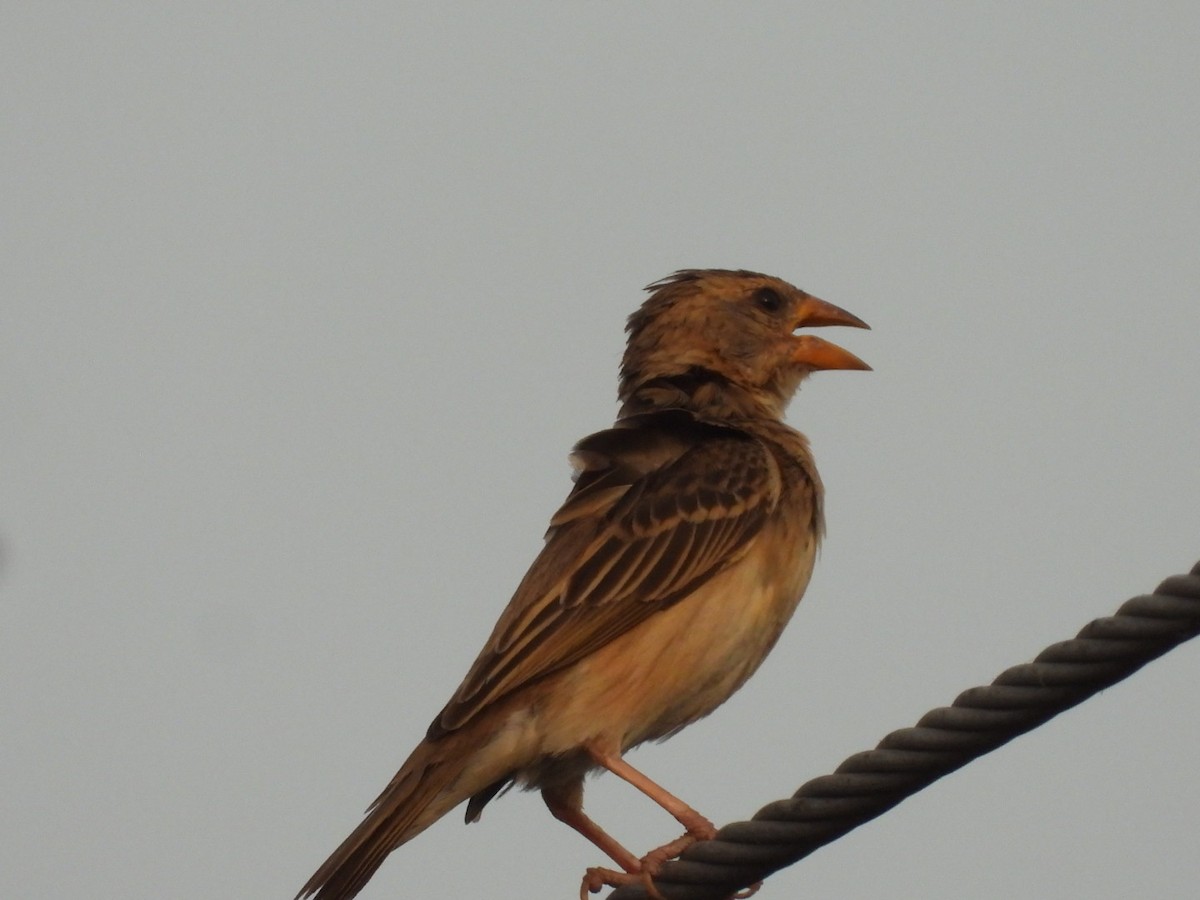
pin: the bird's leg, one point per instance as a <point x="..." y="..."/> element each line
<point x="566" y="805"/>
<point x="698" y="827"/>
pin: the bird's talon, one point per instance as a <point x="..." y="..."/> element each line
<point x="597" y="878"/>
<point x="593" y="882"/>
<point x="654" y="860"/>
<point x="649" y="885"/>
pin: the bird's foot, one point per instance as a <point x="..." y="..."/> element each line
<point x="597" y="878"/>
<point x="654" y="860"/>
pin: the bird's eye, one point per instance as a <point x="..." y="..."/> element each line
<point x="768" y="299"/>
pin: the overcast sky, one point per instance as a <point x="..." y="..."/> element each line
<point x="304" y="304"/>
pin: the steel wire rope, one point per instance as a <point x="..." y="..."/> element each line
<point x="981" y="719"/>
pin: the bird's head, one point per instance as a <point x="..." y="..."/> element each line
<point x="730" y="336"/>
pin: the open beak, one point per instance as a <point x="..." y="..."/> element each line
<point x="815" y="353"/>
<point x="813" y="312"/>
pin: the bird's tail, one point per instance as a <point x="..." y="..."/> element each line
<point x="428" y="785"/>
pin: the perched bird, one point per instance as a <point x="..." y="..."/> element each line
<point x="666" y="577"/>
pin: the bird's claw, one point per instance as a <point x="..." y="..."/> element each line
<point x="597" y="878"/>
<point x="653" y="860"/>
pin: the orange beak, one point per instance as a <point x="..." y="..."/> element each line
<point x="813" y="312"/>
<point x="812" y="352"/>
<point x="815" y="353"/>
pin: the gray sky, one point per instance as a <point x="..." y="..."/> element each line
<point x="304" y="305"/>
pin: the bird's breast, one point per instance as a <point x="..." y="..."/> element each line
<point x="681" y="664"/>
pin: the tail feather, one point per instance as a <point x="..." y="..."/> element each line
<point x="423" y="791"/>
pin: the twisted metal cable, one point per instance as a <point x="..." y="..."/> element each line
<point x="981" y="719"/>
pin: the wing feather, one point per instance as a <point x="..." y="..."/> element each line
<point x="638" y="533"/>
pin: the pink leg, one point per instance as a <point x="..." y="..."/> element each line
<point x="698" y="827"/>
<point x="566" y="805"/>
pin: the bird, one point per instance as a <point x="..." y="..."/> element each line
<point x="666" y="577"/>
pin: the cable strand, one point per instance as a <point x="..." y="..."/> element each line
<point x="981" y="719"/>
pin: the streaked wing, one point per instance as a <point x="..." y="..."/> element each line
<point x="655" y="511"/>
